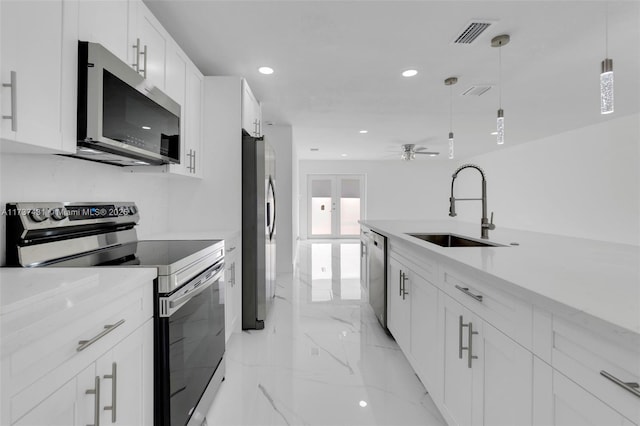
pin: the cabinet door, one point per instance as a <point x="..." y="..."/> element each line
<point x="176" y="88"/>
<point x="507" y="379"/>
<point x="574" y="406"/>
<point x="250" y="109"/>
<point x="425" y="347"/>
<point x="154" y="38"/>
<point x="126" y="375"/>
<point x="105" y="22"/>
<point x="32" y="36"/>
<point x="399" y="305"/>
<point x="70" y="405"/>
<point x="193" y="121"/>
<point x="457" y="395"/>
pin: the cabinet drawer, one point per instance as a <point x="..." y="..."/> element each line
<point x="586" y="357"/>
<point x="504" y="311"/>
<point x="55" y="345"/>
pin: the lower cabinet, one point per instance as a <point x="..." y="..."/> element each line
<point x="487" y="376"/>
<point x="117" y="389"/>
<point x="399" y="305"/>
<point x="233" y="287"/>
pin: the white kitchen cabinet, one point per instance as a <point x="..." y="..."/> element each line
<point x="126" y="377"/>
<point x="149" y="41"/>
<point x="71" y="341"/>
<point x="106" y="22"/>
<point x="571" y="405"/>
<point x="399" y="293"/>
<point x="251" y="111"/>
<point x="488" y="377"/>
<point x="425" y="347"/>
<point x="39" y="62"/>
<point x="233" y="286"/>
<point x="193" y="122"/>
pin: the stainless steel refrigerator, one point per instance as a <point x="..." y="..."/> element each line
<point x="258" y="230"/>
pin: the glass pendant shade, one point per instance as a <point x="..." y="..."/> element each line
<point x="500" y="127"/>
<point x="606" y="87"/>
<point x="451" y="145"/>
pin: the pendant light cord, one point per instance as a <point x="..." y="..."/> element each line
<point x="500" y="77"/>
<point x="606" y="29"/>
<point x="450" y="108"/>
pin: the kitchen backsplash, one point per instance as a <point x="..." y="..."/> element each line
<point x="57" y="178"/>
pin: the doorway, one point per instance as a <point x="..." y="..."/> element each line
<point x="335" y="204"/>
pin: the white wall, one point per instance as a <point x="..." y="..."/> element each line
<point x="215" y="201"/>
<point x="280" y="138"/>
<point x="583" y="183"/>
<point x="57" y="178"/>
<point x="394" y="189"/>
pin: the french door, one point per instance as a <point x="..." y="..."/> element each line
<point x="335" y="204"/>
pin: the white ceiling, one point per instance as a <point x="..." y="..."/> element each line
<point x="338" y="64"/>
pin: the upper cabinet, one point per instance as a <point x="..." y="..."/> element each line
<point x="251" y="111"/>
<point x="39" y="57"/>
<point x="149" y="42"/>
<point x="106" y="22"/>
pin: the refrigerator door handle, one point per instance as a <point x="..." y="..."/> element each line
<point x="269" y="217"/>
<point x="272" y="189"/>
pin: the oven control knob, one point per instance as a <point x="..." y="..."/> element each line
<point x="38" y="215"/>
<point x="58" y="214"/>
<point x="133" y="209"/>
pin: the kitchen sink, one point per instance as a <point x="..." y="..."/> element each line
<point x="451" y="240"/>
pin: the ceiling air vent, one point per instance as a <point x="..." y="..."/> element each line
<point x="475" y="90"/>
<point x="471" y="32"/>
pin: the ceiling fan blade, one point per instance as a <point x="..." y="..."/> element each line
<point x="427" y="152"/>
<point x="420" y="148"/>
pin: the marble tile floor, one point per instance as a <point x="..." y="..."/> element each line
<point x="322" y="358"/>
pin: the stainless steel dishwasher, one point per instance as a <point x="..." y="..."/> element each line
<point x="378" y="276"/>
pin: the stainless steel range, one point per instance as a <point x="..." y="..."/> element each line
<point x="189" y="335"/>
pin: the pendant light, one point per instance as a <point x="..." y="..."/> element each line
<point x="450" y="82"/>
<point x="499" y="41"/>
<point x="606" y="74"/>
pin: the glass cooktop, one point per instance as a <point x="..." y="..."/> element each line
<point x="161" y="253"/>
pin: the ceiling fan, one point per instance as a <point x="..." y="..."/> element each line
<point x="409" y="151"/>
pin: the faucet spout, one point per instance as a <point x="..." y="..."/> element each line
<point x="485" y="225"/>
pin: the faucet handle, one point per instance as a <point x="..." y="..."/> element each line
<point x="491" y="225"/>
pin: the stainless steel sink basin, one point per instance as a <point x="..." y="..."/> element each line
<point x="451" y="240"/>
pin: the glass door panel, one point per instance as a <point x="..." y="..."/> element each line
<point x="335" y="205"/>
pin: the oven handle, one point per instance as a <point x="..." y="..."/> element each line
<point x="197" y="286"/>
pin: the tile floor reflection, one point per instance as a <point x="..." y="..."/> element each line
<point x="322" y="358"/>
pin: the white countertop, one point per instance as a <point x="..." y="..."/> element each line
<point x="34" y="298"/>
<point x="596" y="278"/>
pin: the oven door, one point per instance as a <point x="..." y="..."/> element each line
<point x="190" y="344"/>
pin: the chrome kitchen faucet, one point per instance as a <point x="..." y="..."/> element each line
<point x="485" y="225"/>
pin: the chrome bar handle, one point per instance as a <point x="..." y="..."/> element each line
<point x="136" y="47"/>
<point x="144" y="70"/>
<point x="470" y="355"/>
<point x="96" y="404"/>
<point x="84" y="344"/>
<point x="632" y="387"/>
<point x="400" y="283"/>
<point x="14" y="101"/>
<point x="194" y="161"/>
<point x="466" y="291"/>
<point x="460" y="347"/>
<point x="114" y="391"/>
<point x="404" y="288"/>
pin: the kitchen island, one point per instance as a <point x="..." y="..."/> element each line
<point x="528" y="332"/>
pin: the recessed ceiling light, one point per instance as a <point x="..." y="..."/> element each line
<point x="363" y="404"/>
<point x="146" y="127"/>
<point x="315" y="149"/>
<point x="265" y="70"/>
<point x="364" y="131"/>
<point x="343" y="155"/>
<point x="494" y="133"/>
<point x="409" y="73"/>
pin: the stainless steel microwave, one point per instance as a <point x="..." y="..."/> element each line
<point x="122" y="119"/>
